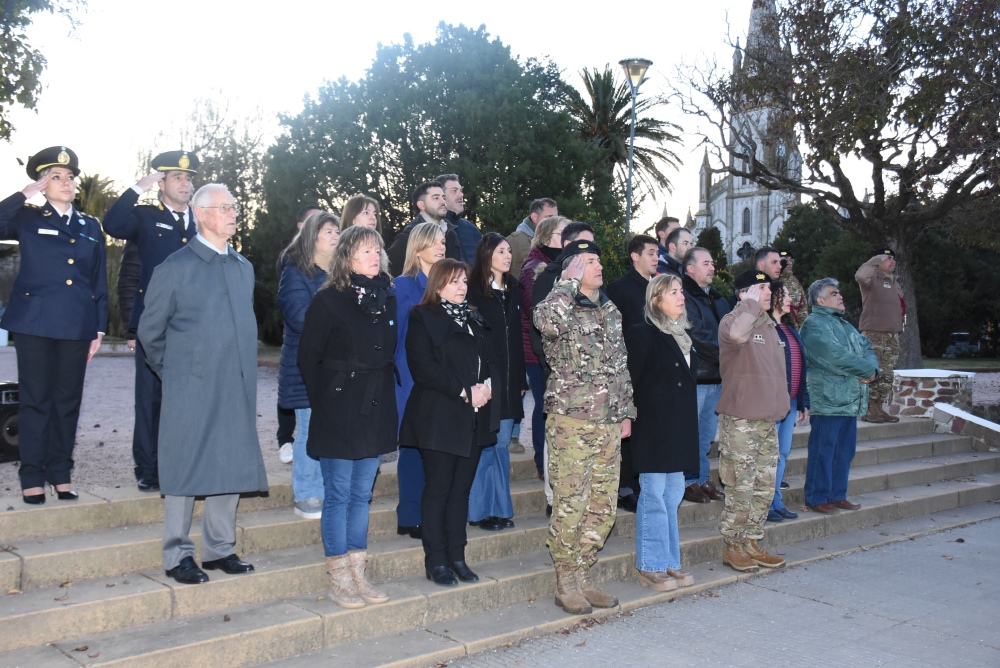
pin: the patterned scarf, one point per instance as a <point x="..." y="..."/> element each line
<point x="372" y="292"/>
<point x="461" y="313"/>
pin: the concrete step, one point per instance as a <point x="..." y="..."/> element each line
<point x="514" y="563"/>
<point x="513" y="597"/>
<point x="49" y="560"/>
<point x="440" y="642"/>
<point x="107" y="508"/>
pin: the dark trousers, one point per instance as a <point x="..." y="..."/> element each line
<point x="145" y="433"/>
<point x="536" y="380"/>
<point x="410" y="476"/>
<point x="445" y="504"/>
<point x="286" y="425"/>
<point x="832" y="442"/>
<point x="628" y="478"/>
<point x="50" y="376"/>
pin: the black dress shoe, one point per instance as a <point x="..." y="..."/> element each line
<point x="773" y="516"/>
<point x="67" y="496"/>
<point x="784" y="485"/>
<point x="786" y="513"/>
<point x="231" y="564"/>
<point x="412" y="532"/>
<point x="34" y="499"/>
<point x="629" y="502"/>
<point x="441" y="575"/>
<point x="187" y="572"/>
<point x="505" y="522"/>
<point x="489" y="524"/>
<point x="464" y="573"/>
<point x="149" y="483"/>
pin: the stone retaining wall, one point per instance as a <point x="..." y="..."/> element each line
<point x="916" y="391"/>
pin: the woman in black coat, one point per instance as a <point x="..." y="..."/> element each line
<point x="346" y="360"/>
<point x="662" y="363"/>
<point x="497" y="297"/>
<point x="448" y="415"/>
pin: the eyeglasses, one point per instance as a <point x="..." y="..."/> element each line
<point x="224" y="209"/>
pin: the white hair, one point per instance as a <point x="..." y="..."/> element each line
<point x="202" y="198"/>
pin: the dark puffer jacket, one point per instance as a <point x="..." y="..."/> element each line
<point x="705" y="310"/>
<point x="295" y="292"/>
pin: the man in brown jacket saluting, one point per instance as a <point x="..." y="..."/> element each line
<point x="754" y="398"/>
<point x="883" y="314"/>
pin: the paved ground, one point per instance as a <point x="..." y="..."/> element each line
<point x="931" y="601"/>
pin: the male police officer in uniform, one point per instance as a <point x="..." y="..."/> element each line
<point x="158" y="230"/>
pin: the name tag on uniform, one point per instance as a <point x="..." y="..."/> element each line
<point x="887" y="286"/>
<point x="165" y="226"/>
<point x="758" y="338"/>
<point x="781" y="343"/>
<point x="45" y="230"/>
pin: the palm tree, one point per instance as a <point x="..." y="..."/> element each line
<point x="95" y="195"/>
<point x="603" y="120"/>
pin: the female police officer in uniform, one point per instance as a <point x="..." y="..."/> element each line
<point x="58" y="313"/>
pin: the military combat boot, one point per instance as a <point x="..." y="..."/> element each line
<point x="737" y="559"/>
<point x="875" y="413"/>
<point x="594" y="594"/>
<point x="754" y="551"/>
<point x="568" y="594"/>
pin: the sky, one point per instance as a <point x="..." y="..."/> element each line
<point x="132" y="69"/>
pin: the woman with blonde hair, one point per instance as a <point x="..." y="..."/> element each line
<point x="424" y="248"/>
<point x="663" y="366"/>
<point x="361" y="210"/>
<point x="346" y="359"/>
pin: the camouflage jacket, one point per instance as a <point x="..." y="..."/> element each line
<point x="583" y="344"/>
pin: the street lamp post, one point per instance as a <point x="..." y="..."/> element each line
<point x="635" y="72"/>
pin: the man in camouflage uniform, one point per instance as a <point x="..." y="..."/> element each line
<point x="799" y="304"/>
<point x="588" y="399"/>
<point x="754" y="398"/>
<point x="883" y="315"/>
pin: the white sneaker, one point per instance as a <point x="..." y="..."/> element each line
<point x="310" y="509"/>
<point x="285" y="453"/>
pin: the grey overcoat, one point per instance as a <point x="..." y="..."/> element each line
<point x="200" y="337"/>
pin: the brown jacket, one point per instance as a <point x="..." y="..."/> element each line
<point x="881" y="299"/>
<point x="752" y="363"/>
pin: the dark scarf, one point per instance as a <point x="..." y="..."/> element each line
<point x="461" y="313"/>
<point x="551" y="253"/>
<point x="372" y="292"/>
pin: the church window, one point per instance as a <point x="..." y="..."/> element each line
<point x="746" y="220"/>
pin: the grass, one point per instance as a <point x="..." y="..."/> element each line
<point x="980" y="364"/>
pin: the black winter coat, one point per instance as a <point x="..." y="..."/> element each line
<point x="445" y="359"/>
<point x="629" y="295"/>
<point x="705" y="312"/>
<point x="665" y="393"/>
<point x="346" y="360"/>
<point x="503" y="314"/>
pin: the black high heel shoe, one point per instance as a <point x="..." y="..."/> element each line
<point x="34" y="499"/>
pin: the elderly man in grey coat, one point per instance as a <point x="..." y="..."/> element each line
<point x="200" y="337"/>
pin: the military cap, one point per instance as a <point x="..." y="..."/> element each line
<point x="751" y="277"/>
<point x="784" y="255"/>
<point x="53" y="156"/>
<point x="579" y="246"/>
<point x="884" y="251"/>
<point x="176" y="161"/>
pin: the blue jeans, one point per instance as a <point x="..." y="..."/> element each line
<point x="410" y="476"/>
<point x="348" y="484"/>
<point x="536" y="380"/>
<point x="657" y="538"/>
<point x="490" y="494"/>
<point x="785" y="428"/>
<point x="832" y="442"/>
<point x="307" y="479"/>
<point x="708" y="425"/>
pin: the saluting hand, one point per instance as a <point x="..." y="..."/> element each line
<point x="146" y="182"/>
<point x="35" y="187"/>
<point x="575" y="268"/>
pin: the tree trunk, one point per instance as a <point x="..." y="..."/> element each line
<point x="909" y="341"/>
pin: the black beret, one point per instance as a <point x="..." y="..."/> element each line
<point x="53" y="156"/>
<point x="751" y="277"/>
<point x="579" y="246"/>
<point x="176" y="161"/>
<point x="884" y="251"/>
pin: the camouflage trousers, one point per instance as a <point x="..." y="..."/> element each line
<point x="584" y="460"/>
<point x="748" y="461"/>
<point x="885" y="345"/>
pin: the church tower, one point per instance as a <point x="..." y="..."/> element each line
<point x="749" y="216"/>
